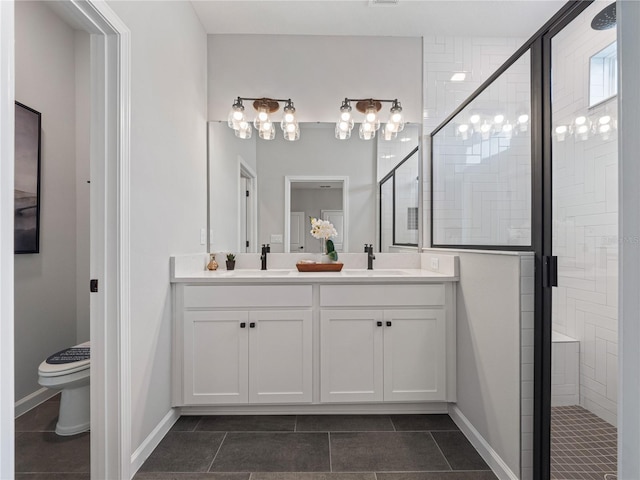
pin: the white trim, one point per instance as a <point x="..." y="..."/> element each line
<point x="7" y="113"/>
<point x="325" y="408"/>
<point x="315" y="178"/>
<point x="33" y="400"/>
<point x="153" y="440"/>
<point x="245" y="170"/>
<point x="488" y="454"/>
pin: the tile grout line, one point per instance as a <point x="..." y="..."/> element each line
<point x="195" y="428"/>
<point x="440" y="450"/>
<point x="217" y="451"/>
<point x="330" y="461"/>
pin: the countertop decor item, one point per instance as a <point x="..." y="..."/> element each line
<point x="319" y="267"/>
<point x="324" y="230"/>
<point x="231" y="261"/>
<point x="212" y="265"/>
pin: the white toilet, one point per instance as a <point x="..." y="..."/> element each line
<point x="68" y="371"/>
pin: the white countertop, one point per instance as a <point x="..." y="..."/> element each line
<point x="293" y="276"/>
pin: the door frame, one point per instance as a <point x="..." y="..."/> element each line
<point x="110" y="236"/>
<point x="245" y="170"/>
<point x="314" y="178"/>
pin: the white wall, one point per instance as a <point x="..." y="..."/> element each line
<point x="479" y="57"/>
<point x="585" y="217"/>
<point x="316" y="72"/>
<point x="168" y="185"/>
<point x="45" y="283"/>
<point x="312" y="201"/>
<point x="628" y="14"/>
<point x="225" y="153"/>
<point x="488" y="349"/>
<point x="318" y="153"/>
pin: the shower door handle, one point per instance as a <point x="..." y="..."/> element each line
<point x="550" y="271"/>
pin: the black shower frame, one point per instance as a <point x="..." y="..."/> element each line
<point x="541" y="215"/>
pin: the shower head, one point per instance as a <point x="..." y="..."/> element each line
<point x="606" y="19"/>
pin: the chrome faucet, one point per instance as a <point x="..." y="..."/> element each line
<point x="368" y="249"/>
<point x="263" y="257"/>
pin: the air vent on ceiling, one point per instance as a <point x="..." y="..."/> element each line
<point x="382" y="3"/>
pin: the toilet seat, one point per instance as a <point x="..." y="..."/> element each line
<point x="58" y="369"/>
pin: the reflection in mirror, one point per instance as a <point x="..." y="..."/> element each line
<point x="603" y="74"/>
<point x="238" y="225"/>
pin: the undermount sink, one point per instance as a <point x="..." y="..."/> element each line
<point x="374" y="273"/>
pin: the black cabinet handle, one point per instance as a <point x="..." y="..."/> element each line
<point x="243" y="325"/>
<point x="388" y="324"/>
<point x="379" y="324"/>
<point x="252" y="325"/>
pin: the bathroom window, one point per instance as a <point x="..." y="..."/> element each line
<point x="603" y="75"/>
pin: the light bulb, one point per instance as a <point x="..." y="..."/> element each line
<point x="475" y="118"/>
<point x="485" y="128"/>
<point x="345" y="116"/>
<point x="262" y="116"/>
<point x="581" y="120"/>
<point x="237" y="115"/>
<point x="507" y="127"/>
<point x="524" y="118"/>
<point x="243" y="125"/>
<point x="370" y="117"/>
<point x="289" y="117"/>
<point x="396" y="117"/>
<point x="390" y="131"/>
<point x="560" y="129"/>
<point x="266" y="126"/>
<point x="463" y="128"/>
<point x="604" y="120"/>
<point x="367" y="131"/>
<point x="583" y="129"/>
<point x="604" y="128"/>
<point x="498" y="118"/>
<point x="366" y="126"/>
<point x="343" y="126"/>
<point x="290" y="127"/>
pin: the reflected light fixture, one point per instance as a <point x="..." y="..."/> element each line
<point x="263" y="122"/>
<point x="371" y="122"/>
<point x="458" y="77"/>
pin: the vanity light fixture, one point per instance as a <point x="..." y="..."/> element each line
<point x="263" y="122"/>
<point x="371" y="123"/>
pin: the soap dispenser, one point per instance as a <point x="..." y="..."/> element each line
<point x="213" y="265"/>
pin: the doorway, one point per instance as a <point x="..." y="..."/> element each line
<point x="109" y="252"/>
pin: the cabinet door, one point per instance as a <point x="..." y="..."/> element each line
<point x="280" y="356"/>
<point x="350" y="355"/>
<point x="215" y="357"/>
<point x="414" y="355"/>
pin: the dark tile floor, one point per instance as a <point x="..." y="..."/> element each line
<point x="315" y="447"/>
<point x="583" y="446"/>
<point x="274" y="447"/>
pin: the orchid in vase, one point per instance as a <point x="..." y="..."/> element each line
<point x="324" y="230"/>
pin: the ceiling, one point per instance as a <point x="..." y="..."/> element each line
<point x="408" y="18"/>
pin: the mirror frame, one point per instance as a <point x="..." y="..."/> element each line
<point x="289" y="179"/>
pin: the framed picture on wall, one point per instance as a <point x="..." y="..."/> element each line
<point x="27" y="180"/>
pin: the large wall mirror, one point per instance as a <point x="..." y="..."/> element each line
<point x="266" y="191"/>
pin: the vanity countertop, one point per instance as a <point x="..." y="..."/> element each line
<point x="391" y="268"/>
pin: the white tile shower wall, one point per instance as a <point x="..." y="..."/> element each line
<point x="585" y="216"/>
<point x="482" y="182"/>
<point x="527" y="277"/>
<point x="478" y="57"/>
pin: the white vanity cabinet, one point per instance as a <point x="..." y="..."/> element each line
<point x="231" y="355"/>
<point x="393" y="353"/>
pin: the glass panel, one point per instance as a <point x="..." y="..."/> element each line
<point x="585" y="239"/>
<point x="406" y="204"/>
<point x="386" y="215"/>
<point x="482" y="167"/>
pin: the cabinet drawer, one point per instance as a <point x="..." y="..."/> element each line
<point x="382" y="295"/>
<point x="229" y="296"/>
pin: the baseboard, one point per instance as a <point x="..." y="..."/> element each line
<point x="488" y="454"/>
<point x="153" y="439"/>
<point x="318" y="409"/>
<point x="32" y="400"/>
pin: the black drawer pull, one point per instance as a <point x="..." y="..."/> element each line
<point x="379" y="324"/>
<point x="388" y="324"/>
<point x="243" y="324"/>
<point x="252" y="325"/>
